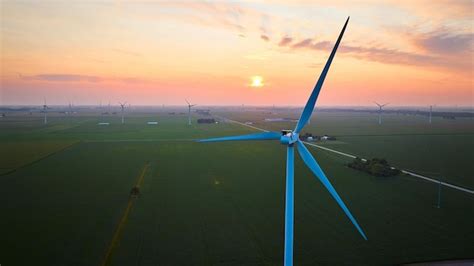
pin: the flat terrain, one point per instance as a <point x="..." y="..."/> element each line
<point x="65" y="187"/>
<point x="443" y="149"/>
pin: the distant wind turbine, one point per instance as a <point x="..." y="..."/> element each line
<point x="431" y="111"/>
<point x="122" y="106"/>
<point x="101" y="112"/>
<point x="290" y="138"/>
<point x="45" y="111"/>
<point x="70" y="108"/>
<point x="380" y="111"/>
<point x="189" y="111"/>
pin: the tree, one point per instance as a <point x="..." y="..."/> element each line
<point x="376" y="167"/>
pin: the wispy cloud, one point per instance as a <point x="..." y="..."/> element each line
<point x="61" y="78"/>
<point x="445" y="43"/>
<point x="304" y="43"/>
<point x="79" y="78"/>
<point x="209" y="14"/>
<point x="265" y="37"/>
<point x="285" y="41"/>
<point x="437" y="50"/>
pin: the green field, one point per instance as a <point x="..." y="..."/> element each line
<point x="443" y="149"/>
<point x="65" y="187"/>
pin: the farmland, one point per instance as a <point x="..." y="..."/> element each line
<point x="65" y="187"/>
<point x="442" y="149"/>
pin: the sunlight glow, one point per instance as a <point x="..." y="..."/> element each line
<point x="257" y="81"/>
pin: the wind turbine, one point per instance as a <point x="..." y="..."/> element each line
<point x="189" y="111"/>
<point x="122" y="106"/>
<point x="431" y="111"/>
<point x="45" y="111"/>
<point x="290" y="138"/>
<point x="70" y="108"/>
<point x="101" y="112"/>
<point x="380" y="111"/>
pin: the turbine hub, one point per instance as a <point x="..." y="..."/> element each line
<point x="288" y="137"/>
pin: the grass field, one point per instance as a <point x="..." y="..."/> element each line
<point x="443" y="149"/>
<point x="223" y="204"/>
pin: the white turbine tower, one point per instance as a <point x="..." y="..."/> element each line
<point x="431" y="111"/>
<point x="189" y="111"/>
<point x="380" y="111"/>
<point x="70" y="108"/>
<point x="101" y="112"/>
<point x="122" y="106"/>
<point x="45" y="111"/>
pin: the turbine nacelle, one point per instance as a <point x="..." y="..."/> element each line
<point x="288" y="137"/>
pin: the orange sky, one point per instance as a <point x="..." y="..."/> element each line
<point x="155" y="53"/>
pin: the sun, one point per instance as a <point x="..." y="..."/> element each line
<point x="257" y="81"/>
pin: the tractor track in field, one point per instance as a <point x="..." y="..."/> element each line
<point x="123" y="220"/>
<point x="411" y="173"/>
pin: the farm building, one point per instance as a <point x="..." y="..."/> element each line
<point x="203" y="111"/>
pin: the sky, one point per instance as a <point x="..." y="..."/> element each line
<point x="406" y="53"/>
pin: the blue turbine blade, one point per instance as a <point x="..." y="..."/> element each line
<point x="316" y="169"/>
<point x="309" y="107"/>
<point x="289" y="203"/>
<point x="256" y="136"/>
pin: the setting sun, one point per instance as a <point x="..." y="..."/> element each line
<point x="257" y="81"/>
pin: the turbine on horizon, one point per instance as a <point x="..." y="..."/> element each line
<point x="380" y="111"/>
<point x="189" y="111"/>
<point x="122" y="106"/>
<point x="431" y="111"/>
<point x="70" y="108"/>
<point x="45" y="111"/>
<point x="290" y="138"/>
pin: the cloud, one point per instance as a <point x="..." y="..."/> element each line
<point x="285" y="41"/>
<point x="445" y="43"/>
<point x="438" y="48"/>
<point x="303" y="43"/>
<point x="79" y="78"/>
<point x="210" y="14"/>
<point x="265" y="37"/>
<point x="61" y="78"/>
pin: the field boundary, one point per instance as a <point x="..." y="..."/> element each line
<point x="353" y="157"/>
<point x="135" y="140"/>
<point x="123" y="220"/>
<point x="39" y="159"/>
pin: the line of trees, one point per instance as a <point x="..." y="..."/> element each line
<point x="375" y="167"/>
<point x="206" y="121"/>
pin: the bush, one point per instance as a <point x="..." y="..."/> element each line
<point x="375" y="167"/>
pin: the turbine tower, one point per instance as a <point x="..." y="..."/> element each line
<point x="101" y="112"/>
<point x="431" y="111"/>
<point x="189" y="111"/>
<point x="380" y="111"/>
<point x="122" y="106"/>
<point x="70" y="108"/>
<point x="290" y="138"/>
<point x="45" y="111"/>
